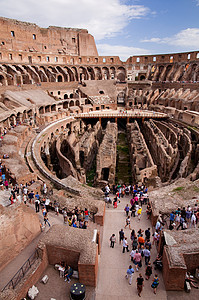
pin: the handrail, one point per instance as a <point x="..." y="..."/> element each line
<point x="22" y="271"/>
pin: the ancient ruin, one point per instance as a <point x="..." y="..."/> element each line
<point x="62" y="107"/>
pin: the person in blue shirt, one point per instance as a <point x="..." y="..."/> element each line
<point x="129" y="274"/>
<point x="172" y="218"/>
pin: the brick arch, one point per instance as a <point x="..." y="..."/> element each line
<point x="121" y="74"/>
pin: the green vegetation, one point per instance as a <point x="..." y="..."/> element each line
<point x="124" y="149"/>
<point x="90" y="175"/>
<point x="196" y="189"/>
<point x="179" y="188"/>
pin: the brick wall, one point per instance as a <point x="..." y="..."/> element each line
<point x="57" y="254"/>
<point x="173" y="276"/>
<point x="88" y="273"/>
<point x="192" y="261"/>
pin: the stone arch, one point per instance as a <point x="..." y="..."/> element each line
<point x="105" y="73"/>
<point x="64" y="73"/>
<point x="77" y="103"/>
<point x="91" y="73"/>
<point x="34" y="77"/>
<point x="41" y="110"/>
<point x="112" y="72"/>
<point x="2" y="80"/>
<point x="71" y="103"/>
<point x="83" y="73"/>
<point x="142" y="77"/>
<point x="70" y="73"/>
<point x="71" y="96"/>
<point x="65" y="96"/>
<point x="98" y="73"/>
<point x="53" y="107"/>
<point x="75" y="72"/>
<point x="60" y="78"/>
<point x="121" y="74"/>
<point x="65" y="104"/>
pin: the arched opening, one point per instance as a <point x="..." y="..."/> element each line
<point x="105" y="174"/>
<point x="2" y="80"/>
<point x="65" y="105"/>
<point x="121" y="76"/>
<point x="65" y="96"/>
<point x="53" y="107"/>
<point x="142" y="77"/>
<point x="59" y="78"/>
<point x="71" y="96"/>
<point x="71" y="103"/>
<point x="77" y="103"/>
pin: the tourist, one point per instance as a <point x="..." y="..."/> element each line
<point x="182" y="220"/>
<point x="81" y="223"/>
<point x="148" y="210"/>
<point x="121" y="235"/>
<point x="85" y="225"/>
<point x="128" y="222"/>
<point x="148" y="271"/>
<point x="46" y="219"/>
<point x="139" y="213"/>
<point x="37" y="202"/>
<point x="155" y="283"/>
<point x="6" y="184"/>
<point x="68" y="274"/>
<point x="44" y="211"/>
<point x="129" y="274"/>
<point x="31" y="196"/>
<point x="137" y="260"/>
<point x="115" y="202"/>
<point x="193" y="220"/>
<point x="47" y="202"/>
<point x="155" y="237"/>
<point x="56" y="206"/>
<point x="141" y="241"/>
<point x="126" y="209"/>
<point x="147" y="255"/>
<point x="64" y="212"/>
<point x="125" y="245"/>
<point x="135" y="243"/>
<point x="132" y="235"/>
<point x="148" y="244"/>
<point x="172" y="218"/>
<point x="86" y="214"/>
<point x="112" y="240"/>
<point x="147" y="234"/>
<point x="132" y="255"/>
<point x="140" y="284"/>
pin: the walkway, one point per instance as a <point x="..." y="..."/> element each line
<point x="109" y="113"/>
<point x="113" y="263"/>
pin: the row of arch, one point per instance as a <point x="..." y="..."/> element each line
<point x="173" y="72"/>
<point x="30" y="74"/>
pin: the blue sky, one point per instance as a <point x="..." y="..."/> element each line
<point x="120" y="27"/>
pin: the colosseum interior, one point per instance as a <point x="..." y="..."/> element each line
<point x="77" y="121"/>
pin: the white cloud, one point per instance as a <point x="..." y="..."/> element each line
<point x="102" y="18"/>
<point x="197" y="2"/>
<point x="123" y="52"/>
<point x="185" y="38"/>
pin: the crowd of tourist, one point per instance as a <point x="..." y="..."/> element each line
<point x="142" y="241"/>
<point x="186" y="217"/>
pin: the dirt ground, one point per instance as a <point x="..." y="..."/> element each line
<point x="57" y="288"/>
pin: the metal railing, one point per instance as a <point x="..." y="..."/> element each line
<point x="22" y="271"/>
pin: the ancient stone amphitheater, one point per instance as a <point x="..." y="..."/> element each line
<point x="63" y="107"/>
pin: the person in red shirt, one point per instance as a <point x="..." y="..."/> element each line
<point x="137" y="259"/>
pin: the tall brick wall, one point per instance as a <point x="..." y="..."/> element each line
<point x="173" y="276"/>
